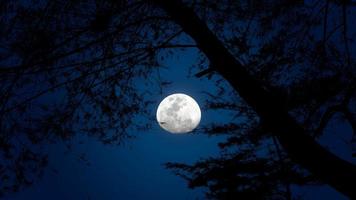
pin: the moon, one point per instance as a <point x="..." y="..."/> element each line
<point x="178" y="113"/>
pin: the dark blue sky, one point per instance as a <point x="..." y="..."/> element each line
<point x="135" y="169"/>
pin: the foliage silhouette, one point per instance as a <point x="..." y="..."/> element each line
<point x="71" y="67"/>
<point x="268" y="103"/>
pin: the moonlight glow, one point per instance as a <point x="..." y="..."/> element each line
<point x="178" y="113"/>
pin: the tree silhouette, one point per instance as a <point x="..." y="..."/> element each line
<point x="70" y="68"/>
<point x="269" y="104"/>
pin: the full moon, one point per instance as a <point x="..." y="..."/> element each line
<point x="178" y="113"/>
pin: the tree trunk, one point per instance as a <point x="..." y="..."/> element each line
<point x="303" y="149"/>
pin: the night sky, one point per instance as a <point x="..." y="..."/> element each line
<point x="85" y="168"/>
<point x="119" y="172"/>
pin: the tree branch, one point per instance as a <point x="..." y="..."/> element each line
<point x="344" y="32"/>
<point x="299" y="145"/>
<point x="326" y="118"/>
<point x="325" y="20"/>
